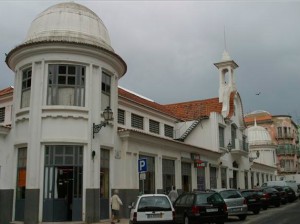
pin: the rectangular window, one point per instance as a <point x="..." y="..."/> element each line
<point x="121" y="116"/>
<point x="221" y="137"/>
<point x="279" y="132"/>
<point x="168" y="173"/>
<point x="168" y="131"/>
<point x="285" y="132"/>
<point x="233" y="136"/>
<point x="154" y="126"/>
<point x="66" y="85"/>
<point x="26" y="88"/>
<point x="21" y="175"/>
<point x="106" y="90"/>
<point x="223" y="177"/>
<point x="2" y="114"/>
<point x="245" y="145"/>
<point x="137" y="121"/>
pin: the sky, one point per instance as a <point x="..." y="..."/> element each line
<point x="170" y="47"/>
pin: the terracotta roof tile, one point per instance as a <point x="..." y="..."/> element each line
<point x="147" y="103"/>
<point x="7" y="90"/>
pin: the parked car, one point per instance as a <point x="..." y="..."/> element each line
<point x="236" y="203"/>
<point x="199" y="206"/>
<point x="152" y="208"/>
<point x="283" y="183"/>
<point x="291" y="195"/>
<point x="270" y="197"/>
<point x="283" y="194"/>
<point x="253" y="200"/>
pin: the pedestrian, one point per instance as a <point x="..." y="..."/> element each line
<point x="115" y="207"/>
<point x="173" y="194"/>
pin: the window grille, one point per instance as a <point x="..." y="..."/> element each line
<point x="2" y="114"/>
<point x="154" y="126"/>
<point x="121" y="116"/>
<point x="168" y="131"/>
<point x="137" y="121"/>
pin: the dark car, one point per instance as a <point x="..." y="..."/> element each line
<point x="253" y="200"/>
<point x="270" y="197"/>
<point x="283" y="194"/>
<point x="198" y="207"/>
<point x="291" y="195"/>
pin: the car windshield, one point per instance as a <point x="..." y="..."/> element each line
<point x="154" y="203"/>
<point x="230" y="194"/>
<point x="208" y="198"/>
<point x="248" y="193"/>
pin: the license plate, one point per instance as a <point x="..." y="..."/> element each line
<point x="252" y="199"/>
<point x="211" y="210"/>
<point x="236" y="209"/>
<point x="154" y="216"/>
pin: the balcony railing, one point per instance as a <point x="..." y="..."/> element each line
<point x="285" y="135"/>
<point x="288" y="150"/>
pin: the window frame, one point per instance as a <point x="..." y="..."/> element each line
<point x="59" y="80"/>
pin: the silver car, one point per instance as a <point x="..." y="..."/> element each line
<point x="236" y="203"/>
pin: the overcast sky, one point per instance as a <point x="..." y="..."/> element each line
<point x="170" y="47"/>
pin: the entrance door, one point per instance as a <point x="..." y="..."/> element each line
<point x="62" y="184"/>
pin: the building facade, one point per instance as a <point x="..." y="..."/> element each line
<point x="61" y="156"/>
<point x="284" y="135"/>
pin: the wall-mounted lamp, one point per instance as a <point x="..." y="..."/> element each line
<point x="251" y="159"/>
<point x="108" y="116"/>
<point x="229" y="147"/>
<point x="93" y="154"/>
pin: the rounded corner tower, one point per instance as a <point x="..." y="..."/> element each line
<point x="66" y="75"/>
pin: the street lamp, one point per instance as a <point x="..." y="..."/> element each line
<point x="229" y="147"/>
<point x="108" y="116"/>
<point x="251" y="159"/>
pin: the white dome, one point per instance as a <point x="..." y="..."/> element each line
<point x="70" y="22"/>
<point x="258" y="135"/>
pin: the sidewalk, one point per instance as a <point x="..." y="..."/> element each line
<point x="122" y="221"/>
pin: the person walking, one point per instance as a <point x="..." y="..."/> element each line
<point x="173" y="194"/>
<point x="115" y="207"/>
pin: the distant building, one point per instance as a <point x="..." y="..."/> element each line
<point x="61" y="152"/>
<point x="285" y="136"/>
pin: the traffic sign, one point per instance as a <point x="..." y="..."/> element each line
<point x="142" y="165"/>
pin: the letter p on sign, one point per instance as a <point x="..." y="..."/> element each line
<point x="142" y="165"/>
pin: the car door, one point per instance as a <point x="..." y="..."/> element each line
<point x="179" y="206"/>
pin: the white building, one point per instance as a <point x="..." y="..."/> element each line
<point x="60" y="160"/>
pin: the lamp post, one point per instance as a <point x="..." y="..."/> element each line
<point x="108" y="116"/>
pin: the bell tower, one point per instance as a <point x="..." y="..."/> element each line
<point x="226" y="80"/>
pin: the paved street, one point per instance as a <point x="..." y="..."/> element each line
<point x="285" y="214"/>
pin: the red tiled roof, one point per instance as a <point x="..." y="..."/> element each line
<point x="7" y="90"/>
<point x="200" y="108"/>
<point x="147" y="103"/>
<point x="185" y="110"/>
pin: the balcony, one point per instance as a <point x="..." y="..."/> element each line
<point x="284" y="136"/>
<point x="288" y="150"/>
<point x="240" y="148"/>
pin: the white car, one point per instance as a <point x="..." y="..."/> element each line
<point x="152" y="208"/>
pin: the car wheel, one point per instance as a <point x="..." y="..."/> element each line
<point x="265" y="207"/>
<point x="186" y="220"/>
<point x="277" y="205"/>
<point x="242" y="217"/>
<point x="256" y="211"/>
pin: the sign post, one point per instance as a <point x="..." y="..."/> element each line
<point x="142" y="169"/>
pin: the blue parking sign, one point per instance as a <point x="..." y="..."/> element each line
<point x="142" y="165"/>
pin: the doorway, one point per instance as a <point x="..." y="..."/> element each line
<point x="62" y="184"/>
